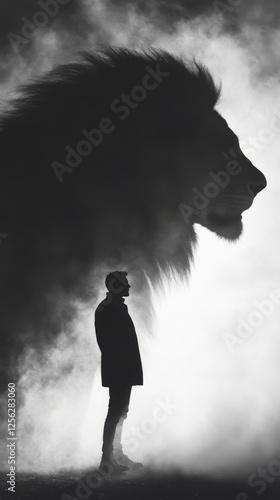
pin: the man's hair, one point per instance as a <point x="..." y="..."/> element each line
<point x="115" y="281"/>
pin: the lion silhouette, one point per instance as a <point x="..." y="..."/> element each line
<point x="107" y="163"/>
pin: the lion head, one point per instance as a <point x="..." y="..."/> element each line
<point x="228" y="183"/>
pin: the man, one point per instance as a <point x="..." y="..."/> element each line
<point x="121" y="366"/>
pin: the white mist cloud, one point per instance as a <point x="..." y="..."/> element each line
<point x="228" y="403"/>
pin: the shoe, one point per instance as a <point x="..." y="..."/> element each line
<point x="110" y="465"/>
<point x="124" y="460"/>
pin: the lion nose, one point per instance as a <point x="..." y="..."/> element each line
<point x="256" y="185"/>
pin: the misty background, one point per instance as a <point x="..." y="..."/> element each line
<point x="218" y="391"/>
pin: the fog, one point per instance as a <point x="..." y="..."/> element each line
<point x="210" y="401"/>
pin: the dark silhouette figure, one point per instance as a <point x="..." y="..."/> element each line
<point x="121" y="366"/>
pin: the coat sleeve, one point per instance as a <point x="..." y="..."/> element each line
<point x="107" y="333"/>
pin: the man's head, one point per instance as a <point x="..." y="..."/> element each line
<point x="117" y="283"/>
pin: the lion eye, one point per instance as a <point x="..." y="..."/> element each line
<point x="226" y="154"/>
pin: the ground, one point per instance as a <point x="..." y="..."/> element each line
<point x="143" y="484"/>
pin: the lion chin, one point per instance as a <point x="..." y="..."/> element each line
<point x="225" y="226"/>
<point x="229" y="229"/>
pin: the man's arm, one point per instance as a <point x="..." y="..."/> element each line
<point x="106" y="333"/>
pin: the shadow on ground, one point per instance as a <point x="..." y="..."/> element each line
<point x="143" y="484"/>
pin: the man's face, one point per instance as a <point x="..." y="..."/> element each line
<point x="125" y="291"/>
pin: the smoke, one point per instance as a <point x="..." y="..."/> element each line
<point x="223" y="415"/>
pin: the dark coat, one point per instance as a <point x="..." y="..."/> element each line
<point x="117" y="340"/>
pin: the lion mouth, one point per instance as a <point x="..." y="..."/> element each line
<point x="229" y="209"/>
<point x="224" y="220"/>
<point x="242" y="201"/>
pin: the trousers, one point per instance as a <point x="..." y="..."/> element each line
<point x="117" y="413"/>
